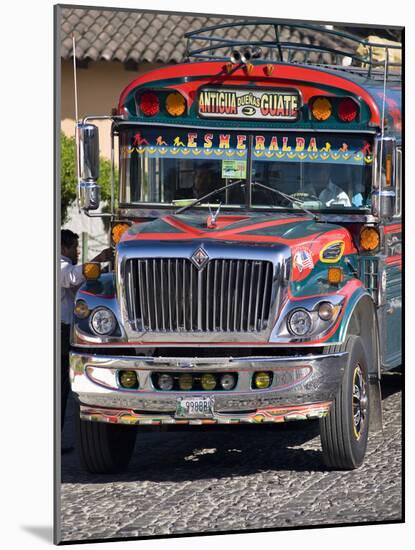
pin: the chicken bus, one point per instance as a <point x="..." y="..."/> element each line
<point x="257" y="246"/>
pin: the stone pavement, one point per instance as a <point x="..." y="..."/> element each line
<point x="248" y="477"/>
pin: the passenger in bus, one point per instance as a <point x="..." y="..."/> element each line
<point x="205" y="181"/>
<point x="330" y="193"/>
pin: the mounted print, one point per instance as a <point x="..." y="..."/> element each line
<point x="230" y="355"/>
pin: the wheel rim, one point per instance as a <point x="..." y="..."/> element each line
<point x="359" y="402"/>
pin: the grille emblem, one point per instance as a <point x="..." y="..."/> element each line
<point x="200" y="257"/>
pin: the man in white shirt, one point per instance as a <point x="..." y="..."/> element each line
<point x="334" y="195"/>
<point x="71" y="279"/>
<point x="327" y="191"/>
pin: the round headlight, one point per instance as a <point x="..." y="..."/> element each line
<point x="103" y="321"/>
<point x="299" y="322"/>
<point x="325" y="311"/>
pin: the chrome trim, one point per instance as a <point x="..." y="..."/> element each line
<point x="318" y="380"/>
<point x="281" y="334"/>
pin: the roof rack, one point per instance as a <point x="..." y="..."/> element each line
<point x="370" y="59"/>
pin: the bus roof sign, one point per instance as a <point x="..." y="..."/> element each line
<point x="276" y="104"/>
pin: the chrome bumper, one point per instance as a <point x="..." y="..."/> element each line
<point x="303" y="387"/>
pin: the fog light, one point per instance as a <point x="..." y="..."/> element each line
<point x="208" y="381"/>
<point x="325" y="311"/>
<point x="227" y="381"/>
<point x="128" y="379"/>
<point x="166" y="382"/>
<point x="185" y="381"/>
<point x="81" y="309"/>
<point x="262" y="380"/>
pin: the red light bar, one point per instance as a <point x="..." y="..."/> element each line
<point x="149" y="104"/>
<point x="347" y="110"/>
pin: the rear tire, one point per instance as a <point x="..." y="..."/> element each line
<point x="104" y="448"/>
<point x="344" y="431"/>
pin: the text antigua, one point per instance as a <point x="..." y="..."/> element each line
<point x="267" y="104"/>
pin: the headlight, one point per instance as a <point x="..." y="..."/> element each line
<point x="326" y="311"/>
<point x="299" y="322"/>
<point x="102" y="321"/>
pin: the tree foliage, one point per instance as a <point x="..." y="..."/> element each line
<point x="69" y="177"/>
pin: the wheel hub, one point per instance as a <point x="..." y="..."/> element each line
<point x="359" y="402"/>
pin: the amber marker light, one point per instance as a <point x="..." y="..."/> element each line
<point x="269" y="69"/>
<point x="321" y="108"/>
<point x="175" y="104"/>
<point x="249" y="68"/>
<point x="81" y="309"/>
<point x="117" y="232"/>
<point x="369" y="239"/>
<point x="335" y="275"/>
<point x="91" y="271"/>
<point x="229" y="67"/>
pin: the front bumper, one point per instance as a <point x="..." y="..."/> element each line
<point x="303" y="387"/>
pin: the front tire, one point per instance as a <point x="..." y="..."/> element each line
<point x="344" y="431"/>
<point x="104" y="448"/>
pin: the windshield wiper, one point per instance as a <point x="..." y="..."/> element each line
<point x="211" y="194"/>
<point x="291" y="199"/>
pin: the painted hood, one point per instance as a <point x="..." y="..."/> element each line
<point x="306" y="238"/>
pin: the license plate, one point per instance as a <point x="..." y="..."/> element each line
<point x="194" y="407"/>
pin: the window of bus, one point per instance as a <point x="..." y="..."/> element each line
<point x="325" y="172"/>
<point x="169" y="166"/>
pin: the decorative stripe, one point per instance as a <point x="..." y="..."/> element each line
<point x="394" y="228"/>
<point x="106" y="296"/>
<point x="394" y="260"/>
<point x="274" y="414"/>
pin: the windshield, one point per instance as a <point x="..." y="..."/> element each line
<point x="174" y="166"/>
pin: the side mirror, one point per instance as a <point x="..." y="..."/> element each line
<point x="88" y="166"/>
<point x="89" y="195"/>
<point x="383" y="194"/>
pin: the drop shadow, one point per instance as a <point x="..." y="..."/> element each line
<point x="42" y="532"/>
<point x="221" y="452"/>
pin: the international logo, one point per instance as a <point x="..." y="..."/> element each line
<point x="200" y="257"/>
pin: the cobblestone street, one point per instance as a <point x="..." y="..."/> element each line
<point x="234" y="479"/>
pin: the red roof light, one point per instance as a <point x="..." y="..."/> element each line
<point x="348" y="110"/>
<point x="149" y="104"/>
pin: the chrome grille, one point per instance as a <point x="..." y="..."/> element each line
<point x="172" y="295"/>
